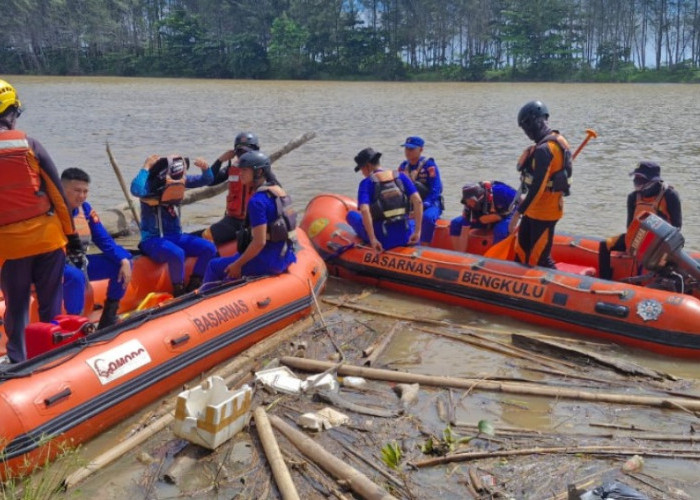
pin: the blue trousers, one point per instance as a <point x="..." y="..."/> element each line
<point x="266" y="263"/>
<point x="389" y="235"/>
<point x="500" y="229"/>
<point x="174" y="249"/>
<point x="430" y="217"/>
<point x="45" y="271"/>
<point x="100" y="267"/>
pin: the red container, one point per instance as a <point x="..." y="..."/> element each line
<point x="64" y="329"/>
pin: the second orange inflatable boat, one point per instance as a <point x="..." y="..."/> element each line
<point x="570" y="298"/>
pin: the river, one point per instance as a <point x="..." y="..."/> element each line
<point x="470" y="129"/>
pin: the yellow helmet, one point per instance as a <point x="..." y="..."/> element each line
<point x="8" y="96"/>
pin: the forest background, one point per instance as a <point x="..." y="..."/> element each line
<point x="455" y="40"/>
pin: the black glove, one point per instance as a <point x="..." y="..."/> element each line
<point x="75" y="251"/>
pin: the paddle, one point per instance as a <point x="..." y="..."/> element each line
<point x="505" y="249"/>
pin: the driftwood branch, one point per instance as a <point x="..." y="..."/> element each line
<point x="120" y="178"/>
<point x="588" y="357"/>
<point x="209" y="192"/>
<point x="572" y="450"/>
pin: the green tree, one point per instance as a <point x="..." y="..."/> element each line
<point x="286" y="50"/>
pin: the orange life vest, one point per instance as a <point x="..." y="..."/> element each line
<point x="238" y="195"/>
<point x="20" y="190"/>
<point x="82" y="227"/>
<point x="654" y="204"/>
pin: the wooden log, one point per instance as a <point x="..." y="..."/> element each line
<point x="274" y="456"/>
<point x="530" y="388"/>
<point x="195" y="195"/>
<point x="356" y="480"/>
<point x="120" y="178"/>
<point x="563" y="450"/>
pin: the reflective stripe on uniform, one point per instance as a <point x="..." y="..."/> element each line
<point x="14" y="144"/>
<point x="394" y="213"/>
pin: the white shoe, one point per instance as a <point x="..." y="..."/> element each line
<point x="4" y="359"/>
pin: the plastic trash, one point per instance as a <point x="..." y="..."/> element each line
<point x="354" y="382"/>
<point x="280" y="379"/>
<point x="613" y="491"/>
<point x="634" y="464"/>
<point x="210" y="414"/>
<point x="326" y="418"/>
<point x="320" y="382"/>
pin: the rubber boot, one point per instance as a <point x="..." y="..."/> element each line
<point x="605" y="270"/>
<point x="109" y="314"/>
<point x="195" y="282"/>
<point x="179" y="289"/>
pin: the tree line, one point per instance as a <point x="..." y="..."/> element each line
<point x="476" y="40"/>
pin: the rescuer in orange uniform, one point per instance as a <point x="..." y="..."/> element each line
<point x="545" y="169"/>
<point x="35" y="226"/>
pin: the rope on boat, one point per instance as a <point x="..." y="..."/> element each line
<point x="352" y="244"/>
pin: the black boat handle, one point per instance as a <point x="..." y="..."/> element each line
<point x="264" y="303"/>
<point x="180" y="340"/>
<point x="52" y="400"/>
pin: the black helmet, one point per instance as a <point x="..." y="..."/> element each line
<point x="247" y="141"/>
<point x="531" y="111"/>
<point x="255" y="160"/>
<point x="472" y="190"/>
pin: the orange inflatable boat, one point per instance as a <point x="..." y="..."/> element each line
<point x="79" y="389"/>
<point x="658" y="311"/>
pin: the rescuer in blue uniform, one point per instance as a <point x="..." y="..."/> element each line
<point x="266" y="244"/>
<point x="114" y="263"/>
<point x="487" y="205"/>
<point x="424" y="174"/>
<point x="160" y="186"/>
<point x="385" y="198"/>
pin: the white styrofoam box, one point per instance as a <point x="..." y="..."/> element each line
<point x="210" y="414"/>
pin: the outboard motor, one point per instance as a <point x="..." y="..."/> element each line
<point x="658" y="247"/>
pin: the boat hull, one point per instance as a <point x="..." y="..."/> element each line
<point x="65" y="396"/>
<point x="656" y="320"/>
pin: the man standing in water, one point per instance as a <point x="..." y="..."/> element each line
<point x="545" y="169"/>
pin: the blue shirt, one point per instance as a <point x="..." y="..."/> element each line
<point x="274" y="258"/>
<point x="428" y="175"/>
<point x="168" y="214"/>
<point x="99" y="235"/>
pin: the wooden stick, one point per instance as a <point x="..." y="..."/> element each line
<point x="377" y="348"/>
<point x="357" y="481"/>
<point x="208" y="192"/>
<point x="573" y="450"/>
<point x="120" y="178"/>
<point x="487" y="385"/>
<point x="274" y="456"/>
